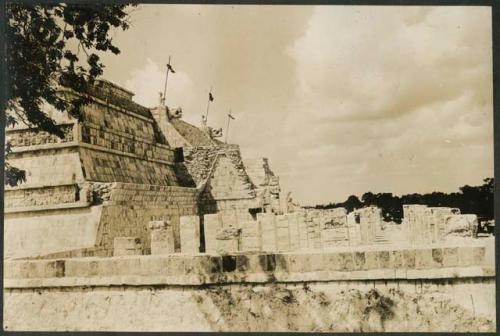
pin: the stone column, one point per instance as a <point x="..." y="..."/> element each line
<point x="416" y="222"/>
<point x="127" y="246"/>
<point x="302" y="228"/>
<point x="250" y="236"/>
<point x="370" y="223"/>
<point x="268" y="228"/>
<point x="190" y="234"/>
<point x="293" y="226"/>
<point x="282" y="233"/>
<point x="314" y="230"/>
<point x="212" y="223"/>
<point x="162" y="237"/>
<point x="227" y="240"/>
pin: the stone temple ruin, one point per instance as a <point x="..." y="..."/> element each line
<point x="120" y="168"/>
<point x="137" y="196"/>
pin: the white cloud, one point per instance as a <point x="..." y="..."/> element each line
<point x="341" y="99"/>
<point x="147" y="82"/>
<point x="399" y="98"/>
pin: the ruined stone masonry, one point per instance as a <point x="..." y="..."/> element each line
<point x="157" y="214"/>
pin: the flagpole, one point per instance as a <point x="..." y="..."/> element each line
<point x="208" y="104"/>
<point x="227" y="128"/>
<point x="166" y="80"/>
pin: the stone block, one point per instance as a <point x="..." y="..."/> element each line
<point x="317" y="262"/>
<point x="268" y="229"/>
<point x="106" y="267"/>
<point x="293" y="224"/>
<point x="162" y="242"/>
<point x="195" y="265"/>
<point x="397" y="259"/>
<point x="409" y="258"/>
<point x="212" y="224"/>
<point x="471" y="255"/>
<point x="225" y="246"/>
<point x="371" y="260"/>
<point x="250" y="244"/>
<point x="345" y="261"/>
<point x="242" y="263"/>
<point x="175" y="265"/>
<point x="281" y="263"/>
<point x="359" y="260"/>
<point x="297" y="263"/>
<point x="152" y="265"/>
<point x="127" y="246"/>
<point x="125" y="266"/>
<point x="229" y="218"/>
<point x="56" y="268"/>
<point x="214" y="264"/>
<point x="282" y="221"/>
<point x="479" y="255"/>
<point x="423" y="258"/>
<point x="450" y="257"/>
<point x="77" y="267"/>
<point x="268" y="262"/>
<point x="251" y="263"/>
<point x="384" y="260"/>
<point x="228" y="263"/>
<point x="190" y="234"/>
<point x="437" y="257"/>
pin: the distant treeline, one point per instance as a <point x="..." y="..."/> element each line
<point x="470" y="200"/>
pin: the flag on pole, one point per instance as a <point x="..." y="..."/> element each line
<point x="170" y="68"/>
<point x="210" y="97"/>
<point x="230" y="116"/>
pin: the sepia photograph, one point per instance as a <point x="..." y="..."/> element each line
<point x="248" y="168"/>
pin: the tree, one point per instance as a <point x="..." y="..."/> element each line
<point x="352" y="203"/>
<point x="49" y="46"/>
<point x="470" y="200"/>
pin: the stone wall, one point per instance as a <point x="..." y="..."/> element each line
<point x="116" y="141"/>
<point x="34" y="233"/>
<point x="40" y="165"/>
<point x="424" y="225"/>
<point x="186" y="269"/>
<point x="295" y="231"/>
<point x="100" y="215"/>
<point x="412" y="305"/>
<point x="375" y="290"/>
<point x="30" y="197"/>
<point x="266" y="182"/>
<point x="370" y="220"/>
<point x="20" y="137"/>
<point x="220" y="175"/>
<point x="130" y="207"/>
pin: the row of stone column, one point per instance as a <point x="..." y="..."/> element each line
<point x="311" y="229"/>
<point x="429" y="225"/>
<point x="276" y="233"/>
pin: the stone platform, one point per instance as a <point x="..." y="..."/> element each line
<point x="375" y="263"/>
<point x="375" y="289"/>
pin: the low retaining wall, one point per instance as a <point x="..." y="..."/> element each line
<point x="199" y="269"/>
<point x="425" y="289"/>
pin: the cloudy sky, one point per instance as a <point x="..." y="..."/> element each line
<point x="341" y="99"/>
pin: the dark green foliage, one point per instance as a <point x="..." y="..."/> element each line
<point x="53" y="45"/>
<point x="473" y="200"/>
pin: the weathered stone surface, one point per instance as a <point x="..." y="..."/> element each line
<point x="461" y="225"/>
<point x="212" y="224"/>
<point x="162" y="237"/>
<point x="190" y="234"/>
<point x="370" y="219"/>
<point x="268" y="227"/>
<point x="127" y="246"/>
